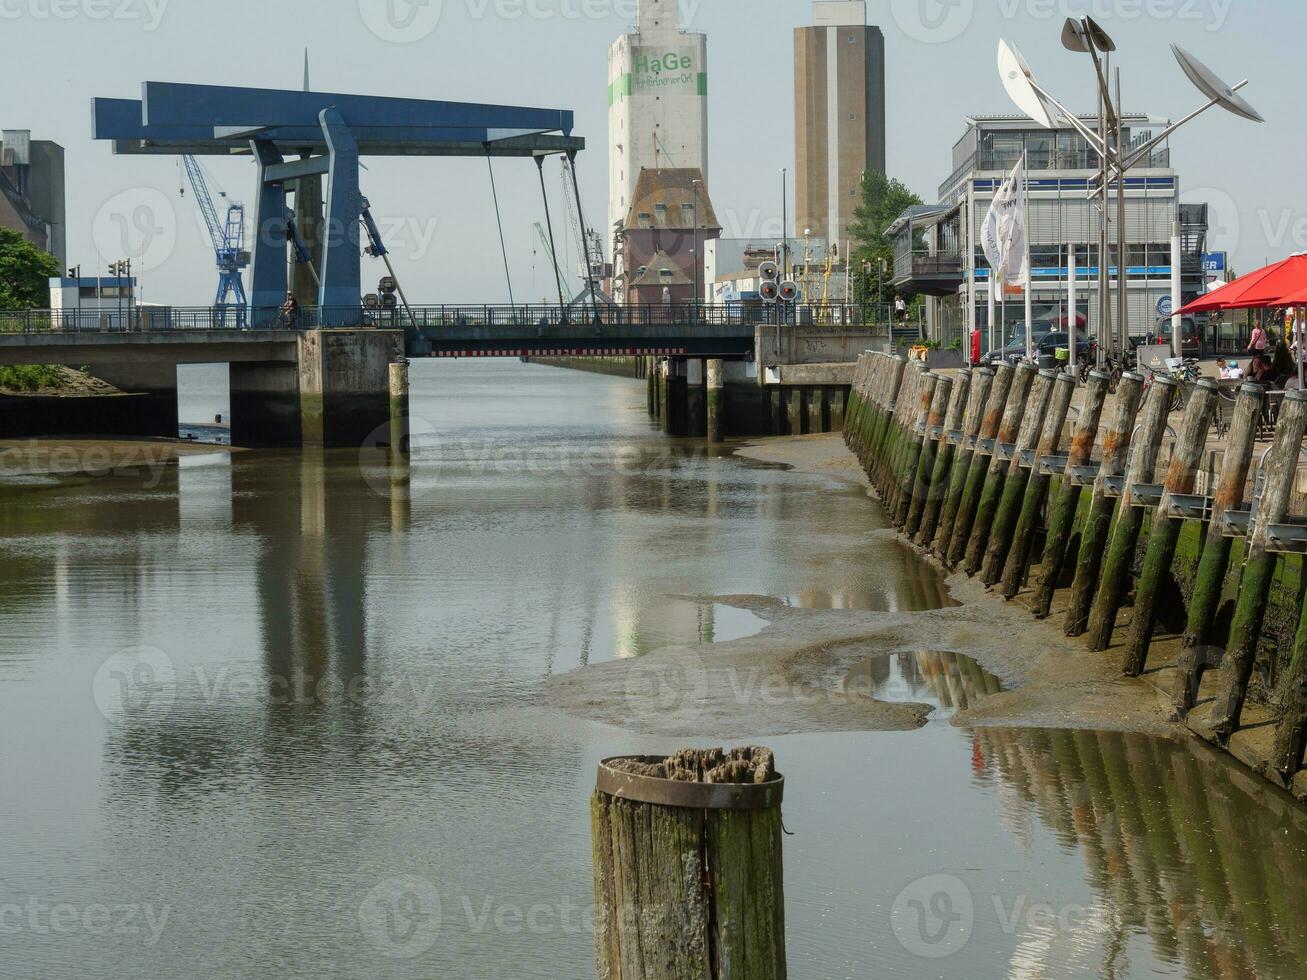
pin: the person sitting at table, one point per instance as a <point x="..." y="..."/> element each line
<point x="1261" y="371"/>
<point x="1228" y="372"/>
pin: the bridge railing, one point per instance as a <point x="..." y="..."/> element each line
<point x="456" y="319"/>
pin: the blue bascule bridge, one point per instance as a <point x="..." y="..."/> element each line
<point x="295" y="136"/>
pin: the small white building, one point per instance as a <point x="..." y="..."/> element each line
<point x="88" y="304"/>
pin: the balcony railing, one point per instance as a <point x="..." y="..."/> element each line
<point x="923" y="264"/>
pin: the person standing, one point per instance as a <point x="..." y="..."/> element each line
<point x="1259" y="342"/>
<point x="900" y="309"/>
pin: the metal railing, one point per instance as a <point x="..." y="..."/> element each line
<point x="923" y="264"/>
<point x="455" y="319"/>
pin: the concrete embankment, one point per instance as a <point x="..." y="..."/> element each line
<point x="1175" y="559"/>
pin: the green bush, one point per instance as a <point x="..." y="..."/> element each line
<point x="30" y="377"/>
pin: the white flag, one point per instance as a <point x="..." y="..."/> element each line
<point x="1004" y="234"/>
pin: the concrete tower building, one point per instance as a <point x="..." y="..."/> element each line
<point x="32" y="190"/>
<point x="657" y="103"/>
<point x="839" y="114"/>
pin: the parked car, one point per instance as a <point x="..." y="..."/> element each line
<point x="1191" y="340"/>
<point x="1047" y="343"/>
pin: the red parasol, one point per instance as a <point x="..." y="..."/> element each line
<point x="1281" y="284"/>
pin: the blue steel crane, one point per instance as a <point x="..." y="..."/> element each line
<point x="227" y="239"/>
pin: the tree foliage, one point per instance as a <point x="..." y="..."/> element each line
<point x="883" y="199"/>
<point x="25" y="273"/>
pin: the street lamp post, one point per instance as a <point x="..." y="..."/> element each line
<point x="698" y="291"/>
<point x="785" y="222"/>
<point x="1117" y="159"/>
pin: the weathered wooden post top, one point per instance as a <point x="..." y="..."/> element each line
<point x="687" y="867"/>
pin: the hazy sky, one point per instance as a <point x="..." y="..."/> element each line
<point x="438" y="215"/>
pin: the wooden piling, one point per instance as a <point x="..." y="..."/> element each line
<point x="945" y="453"/>
<point x="906" y="406"/>
<point x="1291" y="731"/>
<point x="960" y="532"/>
<point x="1017" y="478"/>
<point x="1098" y="523"/>
<point x="977" y="400"/>
<point x="931" y="441"/>
<point x="865" y="376"/>
<point x="1259" y="567"/>
<point x="1014" y="413"/>
<point x="1036" y="496"/>
<point x="687" y="867"/>
<point x="1145" y="446"/>
<point x="889" y="440"/>
<point x="1164" y="534"/>
<point x="871" y="408"/>
<point x="906" y="488"/>
<point x="1063" y="517"/>
<point x="1197" y="655"/>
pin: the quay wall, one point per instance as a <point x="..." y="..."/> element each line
<point x="1120" y="524"/>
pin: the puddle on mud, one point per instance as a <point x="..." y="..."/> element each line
<point x="948" y="682"/>
<point x="720" y="623"/>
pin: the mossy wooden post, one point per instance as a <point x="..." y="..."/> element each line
<point x="1062" y="520"/>
<point x="886" y="405"/>
<point x="1017" y="478"/>
<point x="1098" y="523"/>
<point x="874" y="408"/>
<point x="1164" y="534"/>
<point x="687" y="867"/>
<point x="1145" y="445"/>
<point x="884" y="445"/>
<point x="1259" y="567"/>
<point x="1196" y="655"/>
<point x="944" y="455"/>
<point x="861" y="419"/>
<point x="916" y="406"/>
<point x="855" y="417"/>
<point x="918" y="431"/>
<point x="977" y="400"/>
<point x="1036" y="495"/>
<point x="905" y="410"/>
<point x="931" y="441"/>
<point x="960" y="532"/>
<point x="1014" y="413"/>
<point x="889" y="442"/>
<point x="1291" y="731"/>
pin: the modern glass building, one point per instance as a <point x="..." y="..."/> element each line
<point x="938" y="250"/>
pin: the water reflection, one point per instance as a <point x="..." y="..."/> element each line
<point x="353" y="701"/>
<point x="1179" y="847"/>
<point x="948" y="682"/>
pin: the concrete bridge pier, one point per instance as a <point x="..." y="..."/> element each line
<point x="344" y="386"/>
<point x="714" y="377"/>
<point x="153" y="412"/>
<point x="696" y="397"/>
<point x="265" y="404"/>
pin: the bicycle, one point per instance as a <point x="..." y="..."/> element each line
<point x="1186" y="376"/>
<point x="1114" y="366"/>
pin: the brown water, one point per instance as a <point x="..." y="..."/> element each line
<point x="261" y="718"/>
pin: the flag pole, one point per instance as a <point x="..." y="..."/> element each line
<point x="1030" y="277"/>
<point x="993" y="277"/>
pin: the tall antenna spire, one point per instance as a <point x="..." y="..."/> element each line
<point x="306" y="71"/>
